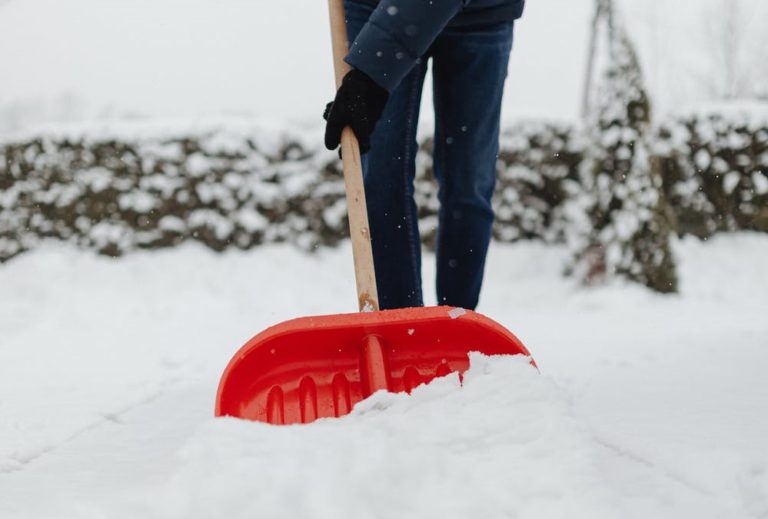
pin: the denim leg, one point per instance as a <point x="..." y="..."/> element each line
<point x="389" y="169"/>
<point x="469" y="69"/>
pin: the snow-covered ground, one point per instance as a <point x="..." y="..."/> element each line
<point x="646" y="405"/>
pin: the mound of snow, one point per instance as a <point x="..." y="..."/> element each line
<point x="503" y="445"/>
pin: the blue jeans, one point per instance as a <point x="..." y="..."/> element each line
<point x="469" y="66"/>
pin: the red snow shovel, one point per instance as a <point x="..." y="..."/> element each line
<point x="317" y="367"/>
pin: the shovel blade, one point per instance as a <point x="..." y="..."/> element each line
<point x="317" y="367"/>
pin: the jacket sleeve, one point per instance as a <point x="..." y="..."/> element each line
<point x="397" y="34"/>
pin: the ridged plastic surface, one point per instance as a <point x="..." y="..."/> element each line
<point x="315" y="367"/>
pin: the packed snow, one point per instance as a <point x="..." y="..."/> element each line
<point x="644" y="406"/>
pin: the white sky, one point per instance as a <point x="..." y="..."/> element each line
<point x="69" y="59"/>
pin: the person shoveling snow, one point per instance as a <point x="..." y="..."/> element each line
<point x="314" y="367"/>
<point x="469" y="43"/>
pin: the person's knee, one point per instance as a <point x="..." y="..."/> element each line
<point x="468" y="206"/>
<point x="474" y="190"/>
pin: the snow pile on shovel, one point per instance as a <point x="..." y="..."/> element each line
<point x="505" y="444"/>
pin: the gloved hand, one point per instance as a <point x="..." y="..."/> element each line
<point x="359" y="103"/>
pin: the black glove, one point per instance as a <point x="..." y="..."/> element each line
<point x="359" y="103"/>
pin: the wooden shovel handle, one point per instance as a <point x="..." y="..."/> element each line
<point x="367" y="296"/>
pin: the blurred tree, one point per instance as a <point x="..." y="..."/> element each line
<point x="625" y="219"/>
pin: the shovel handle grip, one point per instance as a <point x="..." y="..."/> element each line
<point x="365" y="277"/>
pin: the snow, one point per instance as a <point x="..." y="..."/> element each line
<point x="97" y="179"/>
<point x="731" y="181"/>
<point x="645" y="406"/>
<point x="139" y="201"/>
<point x="333" y="215"/>
<point x="439" y="453"/>
<point x="760" y="179"/>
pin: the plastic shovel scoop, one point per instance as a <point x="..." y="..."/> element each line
<point x="316" y="367"/>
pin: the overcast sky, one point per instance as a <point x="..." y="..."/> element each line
<point x="271" y="58"/>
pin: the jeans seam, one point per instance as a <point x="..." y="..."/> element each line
<point x="407" y="159"/>
<point x="443" y="158"/>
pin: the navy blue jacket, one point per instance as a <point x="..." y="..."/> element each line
<point x="400" y="31"/>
